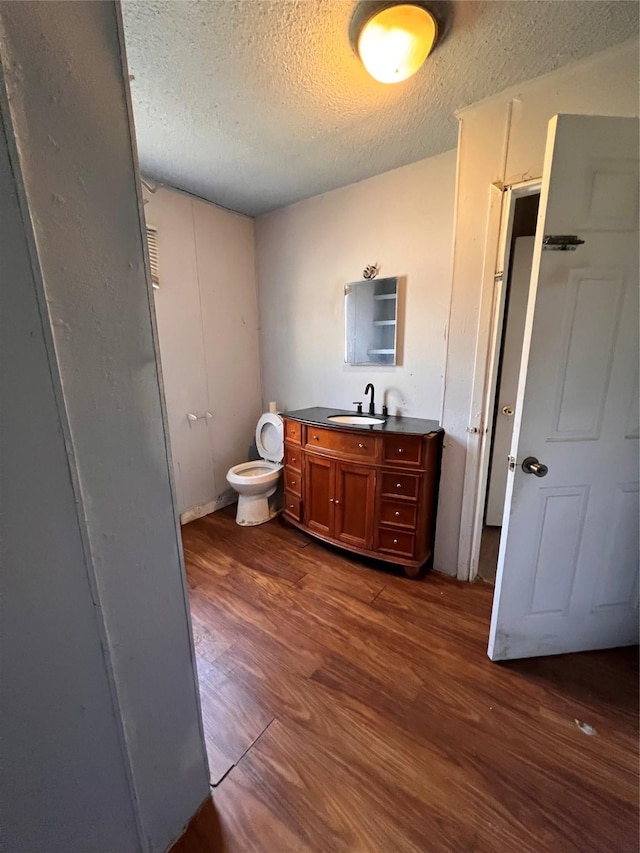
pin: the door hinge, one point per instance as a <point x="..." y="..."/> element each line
<point x="561" y="242"/>
<point x="498" y="276"/>
<point x="512" y="463"/>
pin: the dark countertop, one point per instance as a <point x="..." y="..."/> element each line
<point x="320" y="416"/>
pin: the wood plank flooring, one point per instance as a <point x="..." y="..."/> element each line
<point x="348" y="708"/>
<point x="489" y="547"/>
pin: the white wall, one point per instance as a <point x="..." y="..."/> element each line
<point x="102" y="740"/>
<point x="207" y="317"/>
<point x="307" y="252"/>
<point x="502" y="140"/>
<point x="51" y="639"/>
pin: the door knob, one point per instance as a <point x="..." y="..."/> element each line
<point x="508" y="411"/>
<point x="531" y="466"/>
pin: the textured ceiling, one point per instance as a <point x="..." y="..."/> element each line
<point x="256" y="104"/>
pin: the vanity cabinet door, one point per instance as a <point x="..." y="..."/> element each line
<point x="319" y="478"/>
<point x="355" y="496"/>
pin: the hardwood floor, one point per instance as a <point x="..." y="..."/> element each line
<point x="489" y="546"/>
<point x="348" y="708"/>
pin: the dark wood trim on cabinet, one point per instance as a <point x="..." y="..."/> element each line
<point x="374" y="495"/>
<point x="355" y="504"/>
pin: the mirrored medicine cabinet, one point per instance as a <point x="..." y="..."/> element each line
<point x="371" y="321"/>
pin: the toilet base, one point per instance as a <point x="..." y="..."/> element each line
<point x="254" y="509"/>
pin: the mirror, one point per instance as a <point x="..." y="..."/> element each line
<point x="371" y="321"/>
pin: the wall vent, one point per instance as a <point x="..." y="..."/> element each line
<point x="152" y="243"/>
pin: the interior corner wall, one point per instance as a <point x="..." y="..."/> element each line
<point x="207" y="316"/>
<point x="102" y="734"/>
<point x="503" y="140"/>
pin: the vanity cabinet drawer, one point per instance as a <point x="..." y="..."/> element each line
<point x="399" y="513"/>
<point x="292" y="506"/>
<point x="403" y="450"/>
<point x="293" y="458"/>
<point x="396" y="542"/>
<point x="293" y="482"/>
<point x="293" y="431"/>
<point x="400" y="485"/>
<point x="362" y="446"/>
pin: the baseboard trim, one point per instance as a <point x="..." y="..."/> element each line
<point x="223" y="500"/>
<point x="197" y="512"/>
<point x="226" y="499"/>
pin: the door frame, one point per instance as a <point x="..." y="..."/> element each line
<point x="497" y="256"/>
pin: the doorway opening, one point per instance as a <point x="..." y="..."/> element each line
<point x="520" y="224"/>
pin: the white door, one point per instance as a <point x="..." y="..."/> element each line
<point x="568" y="563"/>
<point x="510" y="370"/>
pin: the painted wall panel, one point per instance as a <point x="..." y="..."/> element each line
<point x="227" y="275"/>
<point x="207" y="315"/>
<point x="502" y="140"/>
<point x="59" y="724"/>
<point x="178" y="314"/>
<point x="70" y="116"/>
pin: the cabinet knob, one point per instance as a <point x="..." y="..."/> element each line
<point x="398" y="485"/>
<point x="330" y="500"/>
<point x="290" y="506"/>
<point x="396" y="513"/>
<point x="337" y="502"/>
<point x="316" y="438"/>
<point x="293" y="482"/>
<point x="395" y="541"/>
<point x="401" y="450"/>
<point x="360" y="444"/>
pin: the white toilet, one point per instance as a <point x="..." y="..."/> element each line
<point x="255" y="482"/>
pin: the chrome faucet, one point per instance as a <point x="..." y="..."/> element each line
<point x="372" y="408"/>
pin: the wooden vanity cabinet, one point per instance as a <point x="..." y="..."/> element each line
<point x="339" y="500"/>
<point x="374" y="494"/>
<point x="319" y="486"/>
<point x="354" y="505"/>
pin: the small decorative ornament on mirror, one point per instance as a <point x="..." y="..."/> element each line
<point x="371" y="271"/>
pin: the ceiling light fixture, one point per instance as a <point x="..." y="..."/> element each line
<point x="394" y="39"/>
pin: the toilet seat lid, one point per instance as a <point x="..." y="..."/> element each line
<point x="270" y="437"/>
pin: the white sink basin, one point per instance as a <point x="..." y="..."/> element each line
<point x="355" y="420"/>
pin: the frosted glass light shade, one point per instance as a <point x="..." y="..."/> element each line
<point x="395" y="42"/>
